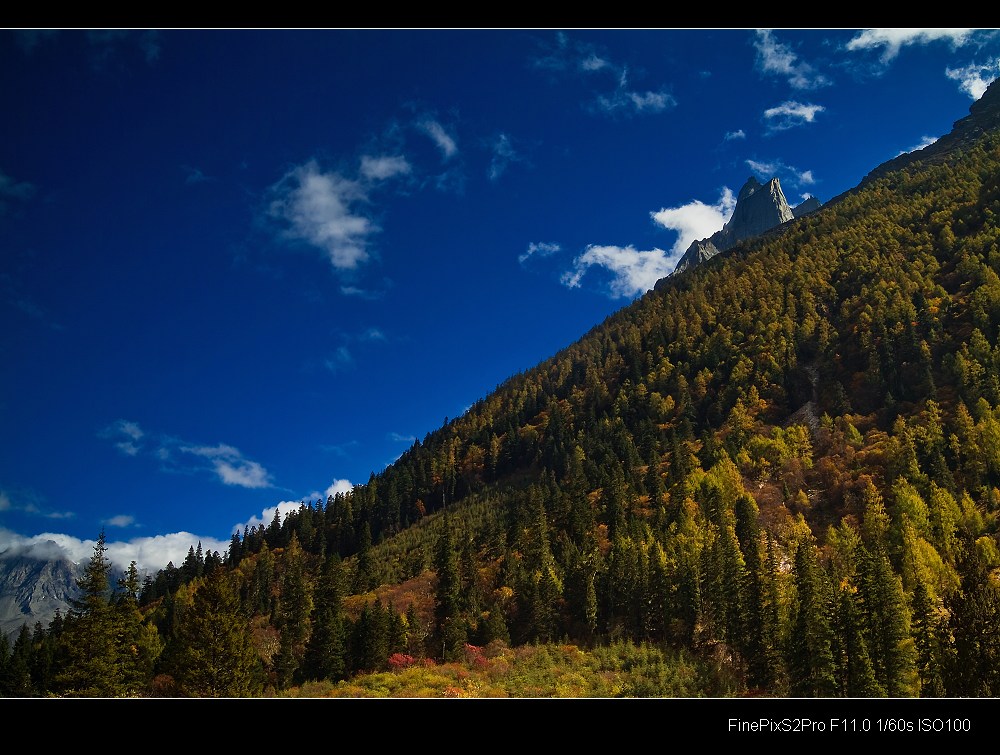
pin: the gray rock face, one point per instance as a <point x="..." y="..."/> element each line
<point x="759" y="208"/>
<point x="806" y="207"/>
<point x="32" y="590"/>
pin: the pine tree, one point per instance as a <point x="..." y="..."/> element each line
<point x="451" y="628"/>
<point x="887" y="623"/>
<point x="295" y="607"/>
<point x="214" y="655"/>
<point x="88" y="658"/>
<point x="811" y="666"/>
<point x="138" y="641"/>
<point x="325" y="656"/>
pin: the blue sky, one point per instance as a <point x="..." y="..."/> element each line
<point x="240" y="269"/>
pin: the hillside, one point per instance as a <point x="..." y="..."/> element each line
<point x="781" y="470"/>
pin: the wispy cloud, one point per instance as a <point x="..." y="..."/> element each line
<point x="12" y="190"/>
<point x="633" y="272"/>
<point x="400" y="438"/>
<point x="29" y="39"/>
<point x="568" y="56"/>
<point x="737" y="134"/>
<point x="226" y="462"/>
<point x="788" y="174"/>
<point x="778" y="59"/>
<point x="340" y="449"/>
<point x="321" y="209"/>
<point x="127" y="436"/>
<point x="373" y="334"/>
<point x="194" y="175"/>
<point x="694" y="221"/>
<point x="107" y="44"/>
<point x="891" y="41"/>
<point x="384" y="167"/>
<point x="122" y="520"/>
<point x="12" y="291"/>
<point x="974" y="78"/>
<point x="362" y="293"/>
<point x="26" y="501"/>
<point x="504" y="154"/>
<point x="340" y="360"/>
<point x="789" y="114"/>
<point x="231" y="467"/>
<point x="538" y="249"/>
<point x="440" y="136"/>
<point x="626" y="102"/>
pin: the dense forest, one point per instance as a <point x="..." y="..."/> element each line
<point x="777" y="474"/>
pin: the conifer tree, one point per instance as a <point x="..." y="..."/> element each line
<point x="811" y="667"/>
<point x="295" y="606"/>
<point x="88" y="657"/>
<point x="325" y="656"/>
<point x="451" y="629"/>
<point x="214" y="655"/>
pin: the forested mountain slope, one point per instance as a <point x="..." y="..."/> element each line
<point x="779" y="472"/>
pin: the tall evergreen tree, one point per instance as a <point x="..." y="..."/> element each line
<point x="812" y="671"/>
<point x="325" y="656"/>
<point x="451" y="629"/>
<point x="88" y="660"/>
<point x="214" y="654"/>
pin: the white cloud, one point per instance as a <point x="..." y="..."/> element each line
<point x="503" y="155"/>
<point x="226" y="461"/>
<point x="974" y="78"/>
<point x="789" y="174"/>
<point x="342" y="359"/>
<point x="925" y="141"/>
<point x="267" y="515"/>
<point x="194" y="175"/>
<point x="12" y="189"/>
<point x="626" y="102"/>
<point x="383" y="167"/>
<point x="361" y="293"/>
<point x="320" y="209"/>
<point x="738" y="134"/>
<point x="444" y="141"/>
<point x="634" y="272"/>
<point x="149" y="553"/>
<point x="341" y="449"/>
<point x="895" y="39"/>
<point x="122" y="520"/>
<point x="593" y="62"/>
<point x="339" y="486"/>
<point x="230" y="466"/>
<point x="791" y="113"/>
<point x="571" y="56"/>
<point x="400" y="438"/>
<point x="127" y="436"/>
<point x="27" y="501"/>
<point x="694" y="220"/>
<point x="540" y="249"/>
<point x="373" y="334"/>
<point x="776" y="58"/>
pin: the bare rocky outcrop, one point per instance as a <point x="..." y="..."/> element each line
<point x="759" y="208"/>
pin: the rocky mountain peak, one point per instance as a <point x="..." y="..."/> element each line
<point x="759" y="207"/>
